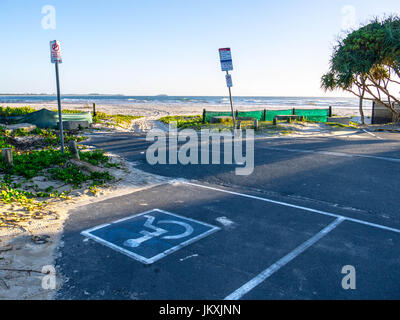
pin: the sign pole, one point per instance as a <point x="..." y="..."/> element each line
<point x="230" y="98"/>
<point x="55" y="54"/>
<point x="225" y="56"/>
<point x="59" y="108"/>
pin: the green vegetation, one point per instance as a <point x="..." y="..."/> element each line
<point x="38" y="163"/>
<point x="19" y="111"/>
<point x="352" y="125"/>
<point x="52" y="165"/>
<point x="13" y="112"/>
<point x="366" y="63"/>
<point x="37" y="160"/>
<point x="116" y="119"/>
<point x="184" y="122"/>
<point x="50" y="137"/>
<point x="32" y="164"/>
<point x="67" y="111"/>
<point x="96" y="158"/>
<point x="9" y="195"/>
<point x="74" y="176"/>
<point x="3" y="143"/>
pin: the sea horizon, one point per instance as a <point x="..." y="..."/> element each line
<point x="163" y="99"/>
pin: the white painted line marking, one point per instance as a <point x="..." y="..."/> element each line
<point x="189" y="257"/>
<point x="247" y="287"/>
<point x="294" y="206"/>
<point x="225" y="221"/>
<point x="336" y="154"/>
<point x="370" y="133"/>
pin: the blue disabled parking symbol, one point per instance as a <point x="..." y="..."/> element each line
<point x="150" y="236"/>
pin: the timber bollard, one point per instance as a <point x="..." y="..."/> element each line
<point x="94" y="109"/>
<point x="255" y="124"/>
<point x="74" y="150"/>
<point x="7" y="156"/>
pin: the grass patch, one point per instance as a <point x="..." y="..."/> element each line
<point x="96" y="158"/>
<point x="67" y="111"/>
<point x="32" y="164"/>
<point x="114" y="119"/>
<point x="13" y="112"/>
<point x="185" y="122"/>
<point x="37" y="163"/>
<point x="74" y="176"/>
<point x="19" y="111"/>
<point x="3" y="143"/>
<point x="352" y="125"/>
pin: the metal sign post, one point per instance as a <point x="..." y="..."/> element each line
<point x="227" y="65"/>
<point x="55" y="52"/>
<point x="229" y="85"/>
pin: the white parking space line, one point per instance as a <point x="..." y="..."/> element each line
<point x="293" y="206"/>
<point x="371" y="134"/>
<point x="335" y="154"/>
<point x="247" y="287"/>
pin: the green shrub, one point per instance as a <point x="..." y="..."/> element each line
<point x="13" y="112"/>
<point x="96" y="158"/>
<point x="116" y="119"/>
<point x="31" y="164"/>
<point x="184" y="122"/>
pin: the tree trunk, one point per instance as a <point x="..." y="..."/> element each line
<point x="361" y="106"/>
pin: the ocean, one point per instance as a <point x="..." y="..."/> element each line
<point x="185" y="100"/>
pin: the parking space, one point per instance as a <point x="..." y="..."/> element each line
<point x="225" y="244"/>
<point x="317" y="272"/>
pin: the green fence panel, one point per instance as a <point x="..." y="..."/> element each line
<point x="270" y="114"/>
<point x="317" y="115"/>
<point x="259" y="115"/>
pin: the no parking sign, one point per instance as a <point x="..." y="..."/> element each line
<point x="55" y="51"/>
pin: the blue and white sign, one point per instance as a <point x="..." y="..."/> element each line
<point x="150" y="236"/>
<point x="229" y="83"/>
<point x="226" y="59"/>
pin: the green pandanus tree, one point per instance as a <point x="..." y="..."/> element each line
<point x="366" y="63"/>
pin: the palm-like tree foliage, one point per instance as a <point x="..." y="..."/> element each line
<point x="367" y="63"/>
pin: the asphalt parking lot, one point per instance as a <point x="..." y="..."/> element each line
<point x="311" y="207"/>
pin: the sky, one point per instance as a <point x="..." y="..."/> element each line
<point x="136" y="47"/>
